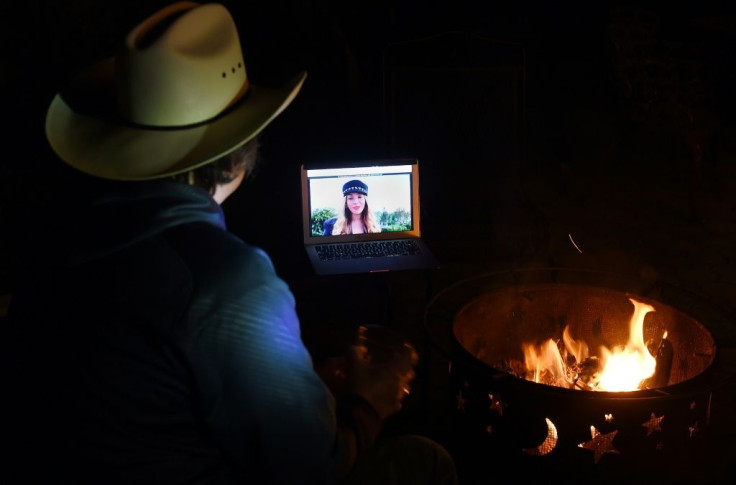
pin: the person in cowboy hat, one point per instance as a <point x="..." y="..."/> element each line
<point x="356" y="216"/>
<point x="149" y="344"/>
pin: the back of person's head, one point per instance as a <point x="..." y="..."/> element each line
<point x="223" y="170"/>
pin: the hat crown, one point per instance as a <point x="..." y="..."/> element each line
<point x="354" y="187"/>
<point x="181" y="66"/>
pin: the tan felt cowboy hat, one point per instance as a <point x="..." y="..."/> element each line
<point x="176" y="97"/>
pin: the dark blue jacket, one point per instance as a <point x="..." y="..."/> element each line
<point x="328" y="225"/>
<point x="154" y="346"/>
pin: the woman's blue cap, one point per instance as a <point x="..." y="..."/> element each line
<point x="354" y="187"/>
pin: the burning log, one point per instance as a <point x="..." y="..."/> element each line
<point x="663" y="353"/>
<point x="587" y="373"/>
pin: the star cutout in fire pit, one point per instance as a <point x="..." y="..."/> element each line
<point x="460" y="401"/>
<point x="600" y="444"/>
<point x="496" y="405"/>
<point x="693" y="429"/>
<point x="653" y="424"/>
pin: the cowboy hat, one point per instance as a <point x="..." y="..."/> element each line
<point x="174" y="98"/>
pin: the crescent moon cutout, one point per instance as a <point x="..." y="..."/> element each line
<point x="549" y="442"/>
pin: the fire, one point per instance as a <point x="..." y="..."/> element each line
<point x="569" y="363"/>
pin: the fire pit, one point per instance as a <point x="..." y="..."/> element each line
<point x="554" y="420"/>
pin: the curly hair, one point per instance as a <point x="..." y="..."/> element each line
<point x="225" y="169"/>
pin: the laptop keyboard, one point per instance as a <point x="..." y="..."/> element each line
<point x="368" y="249"/>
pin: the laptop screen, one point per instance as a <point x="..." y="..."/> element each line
<point x="363" y="201"/>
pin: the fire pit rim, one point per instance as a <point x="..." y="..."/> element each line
<point x="506" y="278"/>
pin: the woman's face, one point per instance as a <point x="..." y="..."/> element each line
<point x="355" y="203"/>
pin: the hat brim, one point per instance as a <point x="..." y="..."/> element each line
<point x="84" y="131"/>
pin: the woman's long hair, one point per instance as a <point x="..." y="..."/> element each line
<point x="342" y="224"/>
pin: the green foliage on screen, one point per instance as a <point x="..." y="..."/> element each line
<point x="319" y="217"/>
<point x="397" y="220"/>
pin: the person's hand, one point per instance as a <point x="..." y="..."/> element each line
<point x="383" y="383"/>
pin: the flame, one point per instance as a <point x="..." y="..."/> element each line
<point x="622" y="368"/>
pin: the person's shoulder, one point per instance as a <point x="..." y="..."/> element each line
<point x="219" y="252"/>
<point x="244" y="257"/>
<point x="329" y="224"/>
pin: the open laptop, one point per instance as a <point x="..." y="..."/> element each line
<point x="390" y="189"/>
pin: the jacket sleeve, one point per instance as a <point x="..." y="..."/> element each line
<point x="328" y="225"/>
<point x="271" y="413"/>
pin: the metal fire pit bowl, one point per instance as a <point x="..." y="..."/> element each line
<point x="546" y="431"/>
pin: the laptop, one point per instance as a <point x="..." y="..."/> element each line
<point x="339" y="235"/>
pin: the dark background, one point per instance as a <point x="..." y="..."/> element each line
<point x="536" y="123"/>
<point x="525" y="91"/>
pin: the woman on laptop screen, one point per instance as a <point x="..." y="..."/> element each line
<point x="356" y="216"/>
